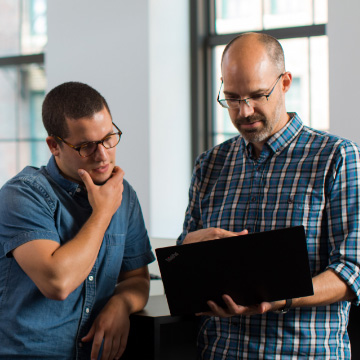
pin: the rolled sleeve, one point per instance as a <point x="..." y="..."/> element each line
<point x="26" y="212"/>
<point x="343" y="210"/>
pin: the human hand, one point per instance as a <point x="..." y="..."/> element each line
<point x="104" y="198"/>
<point x="210" y="234"/>
<point x="112" y="326"/>
<point x="234" y="309"/>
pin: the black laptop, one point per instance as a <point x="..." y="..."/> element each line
<point x="267" y="266"/>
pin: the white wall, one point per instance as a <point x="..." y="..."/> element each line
<point x="135" y="53"/>
<point x="344" y="68"/>
<point x="170" y="115"/>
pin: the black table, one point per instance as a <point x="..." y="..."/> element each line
<point x="156" y="335"/>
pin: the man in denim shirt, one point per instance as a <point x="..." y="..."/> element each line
<point x="74" y="248"/>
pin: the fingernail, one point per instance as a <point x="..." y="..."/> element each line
<point x="81" y="172"/>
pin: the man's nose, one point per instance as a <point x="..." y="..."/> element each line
<point x="245" y="109"/>
<point x="100" y="153"/>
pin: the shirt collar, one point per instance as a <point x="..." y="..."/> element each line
<point x="283" y="137"/>
<point x="54" y="172"/>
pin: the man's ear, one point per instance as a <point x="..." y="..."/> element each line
<point x="53" y="145"/>
<point x="286" y="81"/>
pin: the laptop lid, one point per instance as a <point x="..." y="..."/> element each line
<point x="266" y="266"/>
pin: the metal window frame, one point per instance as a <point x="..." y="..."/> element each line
<point x="22" y="60"/>
<point x="203" y="39"/>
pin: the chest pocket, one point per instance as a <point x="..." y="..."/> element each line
<point x="114" y="252"/>
<point x="302" y="207"/>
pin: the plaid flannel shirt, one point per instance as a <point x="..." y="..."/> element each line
<point x="302" y="177"/>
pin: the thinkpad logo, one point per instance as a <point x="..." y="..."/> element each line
<point x="172" y="257"/>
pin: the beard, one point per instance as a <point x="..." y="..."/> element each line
<point x="262" y="132"/>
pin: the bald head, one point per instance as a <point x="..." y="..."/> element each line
<point x="250" y="47"/>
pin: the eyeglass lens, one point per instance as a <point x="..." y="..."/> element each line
<point x="253" y="102"/>
<point x="109" y="142"/>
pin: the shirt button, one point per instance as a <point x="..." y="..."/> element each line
<point x="253" y="199"/>
<point x="91" y="278"/>
<point x="87" y="310"/>
<point x="70" y="193"/>
<point x="78" y="189"/>
<point x="80" y="344"/>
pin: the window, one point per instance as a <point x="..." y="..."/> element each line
<point x="23" y="83"/>
<point x="299" y="25"/>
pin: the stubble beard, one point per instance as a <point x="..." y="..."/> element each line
<point x="261" y="134"/>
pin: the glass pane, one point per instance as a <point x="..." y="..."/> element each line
<point x="33" y="81"/>
<point x="34" y="26"/>
<point x="297" y="62"/>
<point x="8" y="166"/>
<point x="237" y="15"/>
<point x="285" y="13"/>
<point x="9" y="27"/>
<point x="320" y="11"/>
<point x="34" y="153"/>
<point x="223" y="127"/>
<point x="21" y="96"/>
<point x="319" y="62"/>
<point x="23" y="27"/>
<point x="8" y="102"/>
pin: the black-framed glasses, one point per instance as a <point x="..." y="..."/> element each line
<point x="253" y="101"/>
<point x="88" y="148"/>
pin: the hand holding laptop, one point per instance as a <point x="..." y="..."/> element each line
<point x="235" y="309"/>
<point x="210" y="233"/>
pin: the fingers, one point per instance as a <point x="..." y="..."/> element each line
<point x="113" y="348"/>
<point x="121" y="348"/>
<point x="118" y="171"/>
<point x="89" y="335"/>
<point x="96" y="346"/>
<point x="210" y="234"/>
<point x="117" y="174"/>
<point x="233" y="309"/>
<point x="86" y="179"/>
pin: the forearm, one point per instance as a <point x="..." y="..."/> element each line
<point x="133" y="291"/>
<point x="58" y="270"/>
<point x="71" y="263"/>
<point x="328" y="288"/>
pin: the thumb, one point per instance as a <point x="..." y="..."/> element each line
<point x="244" y="232"/>
<point x="86" y="178"/>
<point x="89" y="336"/>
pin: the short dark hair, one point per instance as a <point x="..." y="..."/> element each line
<point x="271" y="44"/>
<point x="73" y="100"/>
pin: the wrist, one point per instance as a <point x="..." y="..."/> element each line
<point x="119" y="302"/>
<point x="285" y="307"/>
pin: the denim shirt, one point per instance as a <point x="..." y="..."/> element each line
<point x="42" y="204"/>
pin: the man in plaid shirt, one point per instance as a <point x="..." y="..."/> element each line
<point x="277" y="173"/>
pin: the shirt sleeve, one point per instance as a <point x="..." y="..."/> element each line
<point x="137" y="252"/>
<point x="343" y="217"/>
<point x="26" y="213"/>
<point x="192" y="221"/>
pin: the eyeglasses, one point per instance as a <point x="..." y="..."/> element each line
<point x="253" y="101"/>
<point x="88" y="148"/>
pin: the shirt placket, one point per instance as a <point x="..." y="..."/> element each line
<point x="88" y="304"/>
<point x="257" y="169"/>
